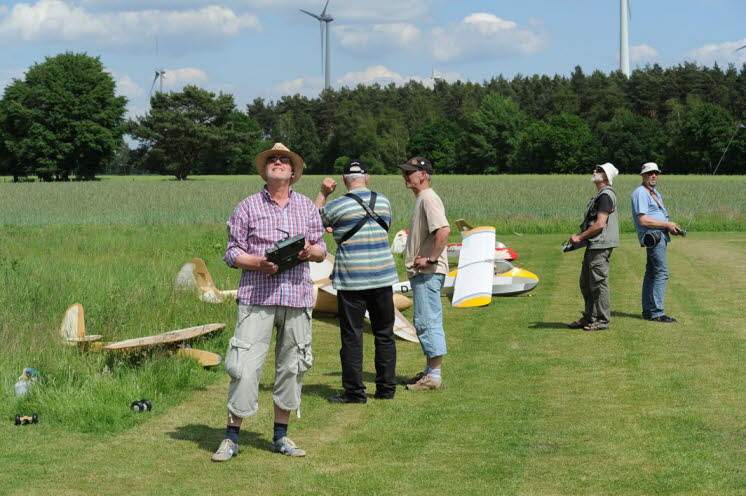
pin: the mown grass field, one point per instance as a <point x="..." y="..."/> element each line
<point x="530" y="406"/>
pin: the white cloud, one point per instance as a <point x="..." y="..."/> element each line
<point x="349" y="10"/>
<point x="57" y="20"/>
<point x="382" y="75"/>
<point x="643" y="53"/>
<point x="378" y="37"/>
<point x="307" y="86"/>
<point x="126" y="86"/>
<point x="723" y="54"/>
<point x="175" y="79"/>
<point x="354" y="10"/>
<point x="483" y="36"/>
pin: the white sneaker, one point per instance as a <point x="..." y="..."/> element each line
<point x="227" y="450"/>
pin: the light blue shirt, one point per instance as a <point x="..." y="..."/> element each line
<point x="644" y="203"/>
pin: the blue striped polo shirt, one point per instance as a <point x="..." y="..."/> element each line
<point x="364" y="261"/>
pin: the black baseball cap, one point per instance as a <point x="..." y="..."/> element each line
<point x="417" y="164"/>
<point x="355" y="166"/>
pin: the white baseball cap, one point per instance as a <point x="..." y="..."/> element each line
<point x="650" y="166"/>
<point x="610" y="170"/>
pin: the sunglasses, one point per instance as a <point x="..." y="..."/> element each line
<point x="599" y="170"/>
<point x="409" y="173"/>
<point x="657" y="173"/>
<point x="282" y="160"/>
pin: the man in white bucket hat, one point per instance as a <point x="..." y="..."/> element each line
<point x="269" y="298"/>
<point x="651" y="218"/>
<point x="600" y="234"/>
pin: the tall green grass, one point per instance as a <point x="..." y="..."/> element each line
<point x="525" y="204"/>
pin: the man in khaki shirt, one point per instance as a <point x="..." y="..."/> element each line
<point x="427" y="265"/>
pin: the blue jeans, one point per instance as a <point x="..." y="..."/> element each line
<point x="428" y="313"/>
<point x="654" y="283"/>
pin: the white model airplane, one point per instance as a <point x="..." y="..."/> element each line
<point x="480" y="279"/>
<point x="195" y="276"/>
<point x="453" y="250"/>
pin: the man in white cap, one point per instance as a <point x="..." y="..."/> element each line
<point x="269" y="297"/>
<point x="651" y="218"/>
<point x="363" y="275"/>
<point x="600" y="234"/>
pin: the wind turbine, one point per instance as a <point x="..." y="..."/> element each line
<point x="159" y="72"/>
<point x="324" y="20"/>
<point x="624" y="37"/>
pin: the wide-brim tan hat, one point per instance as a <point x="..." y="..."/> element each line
<point x="279" y="150"/>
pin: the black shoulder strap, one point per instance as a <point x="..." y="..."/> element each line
<point x="369" y="214"/>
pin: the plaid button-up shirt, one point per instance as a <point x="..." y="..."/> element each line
<point x="256" y="224"/>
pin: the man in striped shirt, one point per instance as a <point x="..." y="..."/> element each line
<point x="364" y="271"/>
<point x="269" y="298"/>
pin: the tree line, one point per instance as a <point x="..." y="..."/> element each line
<point x="64" y="119"/>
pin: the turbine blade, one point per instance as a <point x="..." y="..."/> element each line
<point x="629" y="9"/>
<point x="312" y="15"/>
<point x="737" y="49"/>
<point x="323" y="12"/>
<point x="153" y="85"/>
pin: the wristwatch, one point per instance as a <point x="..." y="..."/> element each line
<point x="431" y="262"/>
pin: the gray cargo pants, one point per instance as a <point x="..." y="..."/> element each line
<point x="248" y="350"/>
<point x="594" y="284"/>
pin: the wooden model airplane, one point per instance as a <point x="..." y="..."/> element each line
<point x="73" y="333"/>
<point x="480" y="276"/>
<point x="195" y="276"/>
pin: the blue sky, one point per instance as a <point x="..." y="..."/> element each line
<point x="267" y="48"/>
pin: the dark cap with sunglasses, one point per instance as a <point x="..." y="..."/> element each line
<point x="417" y="164"/>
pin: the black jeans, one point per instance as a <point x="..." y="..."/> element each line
<point x="380" y="305"/>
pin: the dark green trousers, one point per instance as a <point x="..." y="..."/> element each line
<point x="594" y="284"/>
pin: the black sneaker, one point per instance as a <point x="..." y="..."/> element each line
<point x="384" y="396"/>
<point x="663" y="318"/>
<point x="346" y="398"/>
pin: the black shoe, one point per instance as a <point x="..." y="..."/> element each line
<point x="663" y="318"/>
<point x="384" y="396"/>
<point x="346" y="398"/>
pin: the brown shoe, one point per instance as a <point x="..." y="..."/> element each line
<point x="413" y="380"/>
<point x="426" y="383"/>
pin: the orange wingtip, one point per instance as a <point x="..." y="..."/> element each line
<point x="479" y="301"/>
<point x="479" y="229"/>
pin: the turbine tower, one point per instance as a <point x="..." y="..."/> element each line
<point x="624" y="37"/>
<point x="324" y="20"/>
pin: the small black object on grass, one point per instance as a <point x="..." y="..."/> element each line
<point x="27" y="419"/>
<point x="141" y="406"/>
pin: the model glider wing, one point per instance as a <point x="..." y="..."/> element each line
<point x="473" y="286"/>
<point x="165" y="338"/>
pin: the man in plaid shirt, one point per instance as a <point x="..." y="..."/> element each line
<point x="268" y="299"/>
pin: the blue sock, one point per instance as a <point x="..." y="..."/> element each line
<point x="281" y="430"/>
<point x="231" y="432"/>
<point x="435" y="373"/>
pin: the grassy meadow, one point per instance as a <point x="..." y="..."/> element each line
<point x="530" y="407"/>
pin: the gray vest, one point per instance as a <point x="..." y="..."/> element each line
<point x="609" y="237"/>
